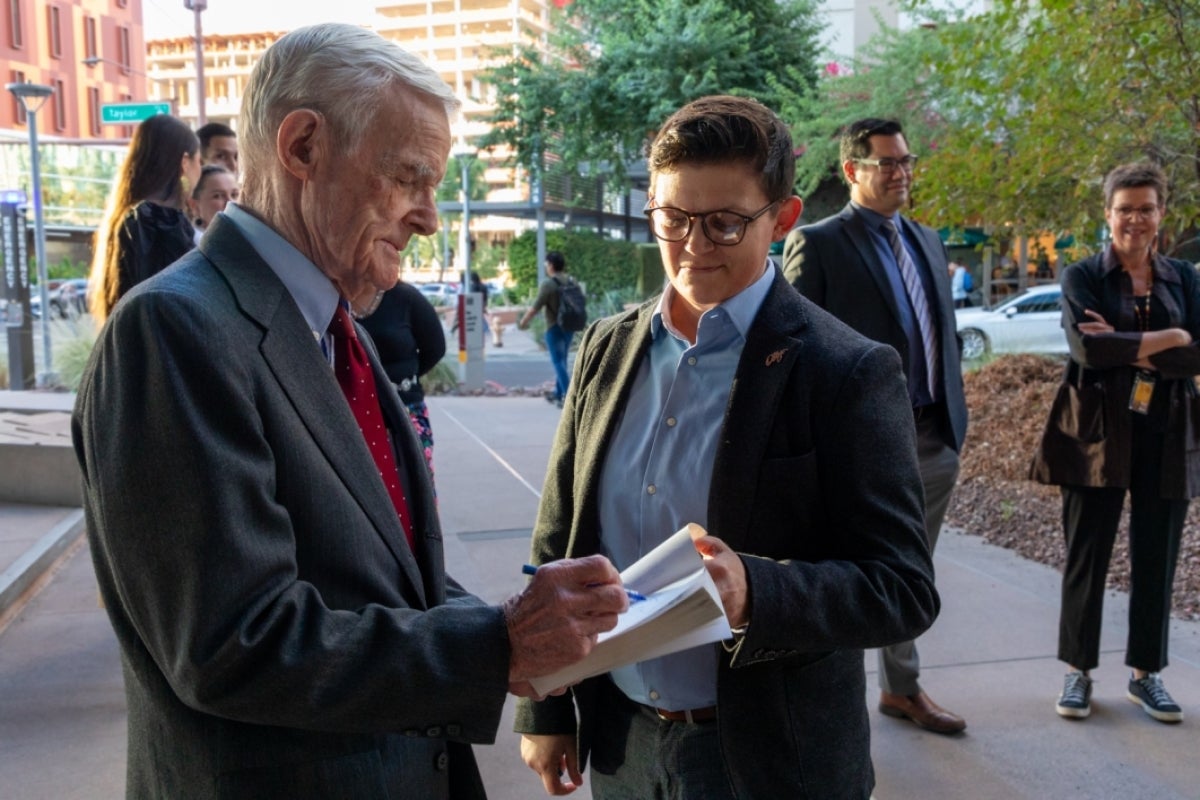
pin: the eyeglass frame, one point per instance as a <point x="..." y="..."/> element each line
<point x="908" y="163"/>
<point x="703" y="217"/>
<point x="1126" y="213"/>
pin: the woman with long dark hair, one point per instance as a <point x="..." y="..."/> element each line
<point x="145" y="227"/>
<point x="1123" y="423"/>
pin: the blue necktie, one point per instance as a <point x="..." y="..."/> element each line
<point x="920" y="304"/>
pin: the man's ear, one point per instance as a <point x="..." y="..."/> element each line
<point x="850" y="170"/>
<point x="301" y="138"/>
<point x="785" y="219"/>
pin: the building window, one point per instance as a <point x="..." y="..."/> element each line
<point x="15" y="37"/>
<point x="124" y="54"/>
<point x="126" y="130"/>
<point x="89" y="38"/>
<point x="60" y="106"/>
<point x="19" y="114"/>
<point x="55" y="32"/>
<point x="94" y="111"/>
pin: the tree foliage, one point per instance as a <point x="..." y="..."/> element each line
<point x="615" y="69"/>
<point x="1020" y="112"/>
<point x="602" y="264"/>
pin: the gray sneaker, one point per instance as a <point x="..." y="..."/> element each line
<point x="1075" y="702"/>
<point x="1152" y="696"/>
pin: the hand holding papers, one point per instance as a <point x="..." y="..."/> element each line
<point x="682" y="609"/>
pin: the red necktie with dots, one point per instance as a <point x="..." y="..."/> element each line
<point x="354" y="375"/>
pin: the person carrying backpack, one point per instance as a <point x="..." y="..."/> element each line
<point x="562" y="300"/>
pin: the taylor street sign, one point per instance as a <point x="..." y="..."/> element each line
<point x="124" y="113"/>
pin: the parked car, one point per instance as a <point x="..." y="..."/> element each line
<point x="1031" y="322"/>
<point x="68" y="298"/>
<point x="438" y="293"/>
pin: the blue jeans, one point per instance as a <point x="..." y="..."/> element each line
<point x="558" y="343"/>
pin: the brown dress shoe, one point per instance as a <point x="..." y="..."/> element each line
<point x="922" y="711"/>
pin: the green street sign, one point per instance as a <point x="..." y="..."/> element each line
<point x="124" y="113"/>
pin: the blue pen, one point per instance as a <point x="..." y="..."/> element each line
<point x="634" y="597"/>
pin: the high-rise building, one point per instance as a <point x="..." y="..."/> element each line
<point x="52" y="42"/>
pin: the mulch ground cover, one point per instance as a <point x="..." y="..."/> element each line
<point x="1009" y="400"/>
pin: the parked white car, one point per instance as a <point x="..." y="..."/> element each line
<point x="1031" y="322"/>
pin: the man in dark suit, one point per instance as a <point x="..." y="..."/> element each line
<point x="264" y="530"/>
<point x="732" y="402"/>
<point x="887" y="277"/>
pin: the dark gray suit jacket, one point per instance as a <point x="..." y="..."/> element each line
<point x="833" y="263"/>
<point x="815" y="483"/>
<point x="278" y="637"/>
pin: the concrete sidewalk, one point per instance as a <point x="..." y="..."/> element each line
<point x="989" y="657"/>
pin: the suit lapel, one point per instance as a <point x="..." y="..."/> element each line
<point x="304" y="375"/>
<point x="599" y="410"/>
<point x="768" y="359"/>
<point x="862" y="241"/>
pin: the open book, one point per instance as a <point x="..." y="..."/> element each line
<point x="682" y="609"/>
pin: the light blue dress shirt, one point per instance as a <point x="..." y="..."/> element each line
<point x="309" y="287"/>
<point x="657" y="474"/>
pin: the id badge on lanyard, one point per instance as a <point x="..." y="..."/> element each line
<point x="1143" y="390"/>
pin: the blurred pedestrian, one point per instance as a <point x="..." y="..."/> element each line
<point x="214" y="190"/>
<point x="218" y="145"/>
<point x="145" y="225"/>
<point x="558" y="340"/>
<point x="1124" y="422"/>
<point x="408" y="334"/>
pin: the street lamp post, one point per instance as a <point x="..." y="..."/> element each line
<point x="470" y="304"/>
<point x="32" y="96"/>
<point x="196" y="6"/>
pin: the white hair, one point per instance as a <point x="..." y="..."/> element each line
<point x="342" y="72"/>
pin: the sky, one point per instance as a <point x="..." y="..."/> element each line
<point x="170" y="18"/>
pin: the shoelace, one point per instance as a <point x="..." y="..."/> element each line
<point x="1075" y="688"/>
<point x="1158" y="693"/>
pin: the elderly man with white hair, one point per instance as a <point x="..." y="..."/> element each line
<point x="263" y="526"/>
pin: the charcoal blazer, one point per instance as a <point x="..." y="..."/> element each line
<point x="834" y="263"/>
<point x="278" y="637"/>
<point x="815" y="484"/>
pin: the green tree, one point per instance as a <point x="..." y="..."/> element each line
<point x="1019" y="113"/>
<point x="615" y="69"/>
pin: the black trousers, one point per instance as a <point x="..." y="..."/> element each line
<point x="1090" y="520"/>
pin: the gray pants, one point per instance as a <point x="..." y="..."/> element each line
<point x="899" y="664"/>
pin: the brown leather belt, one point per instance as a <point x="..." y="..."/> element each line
<point x="691" y="715"/>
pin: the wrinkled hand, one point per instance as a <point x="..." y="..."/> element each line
<point x="555" y="621"/>
<point x="728" y="573"/>
<point x="550" y="757"/>
<point x="1097" y="325"/>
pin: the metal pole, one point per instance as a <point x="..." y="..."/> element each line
<point x="47" y="378"/>
<point x="465" y="242"/>
<point x="201" y="117"/>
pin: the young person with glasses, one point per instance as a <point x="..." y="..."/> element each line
<point x="732" y="402"/>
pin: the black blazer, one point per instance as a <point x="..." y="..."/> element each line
<point x="279" y="639"/>
<point x="815" y="484"/>
<point x="833" y="263"/>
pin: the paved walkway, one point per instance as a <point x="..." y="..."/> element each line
<point x="989" y="657"/>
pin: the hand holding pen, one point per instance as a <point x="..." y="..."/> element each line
<point x="557" y="618"/>
<point x="634" y="597"/>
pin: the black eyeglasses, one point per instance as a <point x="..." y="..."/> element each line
<point x="890" y="164"/>
<point x="725" y="228"/>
